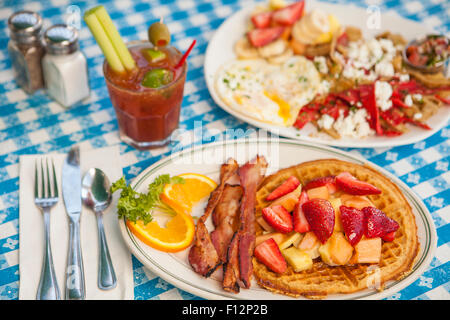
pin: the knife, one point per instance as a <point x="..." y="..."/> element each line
<point x="71" y="190"/>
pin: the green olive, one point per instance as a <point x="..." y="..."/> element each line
<point x="159" y="34"/>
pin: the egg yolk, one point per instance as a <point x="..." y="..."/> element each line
<point x="285" y="109"/>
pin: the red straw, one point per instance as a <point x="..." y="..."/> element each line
<point x="185" y="55"/>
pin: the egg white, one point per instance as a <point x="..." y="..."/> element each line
<point x="270" y="93"/>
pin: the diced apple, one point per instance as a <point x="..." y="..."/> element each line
<point x="264" y="224"/>
<point x="367" y="251"/>
<point x="341" y="250"/>
<point x="289" y="200"/>
<point x="325" y="253"/>
<point x="298" y="240"/>
<point x="318" y="193"/>
<point x="314" y="251"/>
<point x="277" y="236"/>
<point x="290" y="239"/>
<point x="297" y="259"/>
<point x="310" y="244"/>
<point x="336" y="203"/>
<point x="357" y="202"/>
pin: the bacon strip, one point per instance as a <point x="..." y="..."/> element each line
<point x="251" y="175"/>
<point x="203" y="256"/>
<point x="225" y="219"/>
<point x="231" y="267"/>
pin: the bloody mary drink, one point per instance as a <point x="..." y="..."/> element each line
<point x="147" y="99"/>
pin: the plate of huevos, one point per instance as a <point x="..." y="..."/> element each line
<point x="330" y="73"/>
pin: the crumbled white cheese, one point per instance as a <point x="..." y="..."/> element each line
<point x="364" y="57"/>
<point x="354" y="125"/>
<point x="384" y="69"/>
<point x="353" y="72"/>
<point x="417" y="116"/>
<point x="409" y="100"/>
<point x="417" y="97"/>
<point x="324" y="87"/>
<point x="404" y="77"/>
<point x="325" y="121"/>
<point x="383" y="93"/>
<point x="388" y="47"/>
<point x="321" y="64"/>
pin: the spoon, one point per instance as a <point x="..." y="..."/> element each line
<point x="96" y="196"/>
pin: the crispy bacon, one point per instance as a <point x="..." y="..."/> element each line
<point x="251" y="175"/>
<point x="203" y="256"/>
<point x="225" y="219"/>
<point x="231" y="266"/>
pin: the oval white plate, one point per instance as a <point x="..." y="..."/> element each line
<point x="220" y="51"/>
<point x="206" y="159"/>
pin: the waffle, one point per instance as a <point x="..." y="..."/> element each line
<point x="397" y="257"/>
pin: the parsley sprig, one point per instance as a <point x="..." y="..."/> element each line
<point x="134" y="205"/>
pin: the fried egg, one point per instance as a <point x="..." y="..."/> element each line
<point x="267" y="92"/>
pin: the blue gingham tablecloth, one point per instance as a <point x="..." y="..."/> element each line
<point x="36" y="124"/>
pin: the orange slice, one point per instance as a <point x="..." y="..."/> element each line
<point x="177" y="234"/>
<point x="182" y="197"/>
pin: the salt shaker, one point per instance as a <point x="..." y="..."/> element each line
<point x="64" y="65"/>
<point x="26" y="50"/>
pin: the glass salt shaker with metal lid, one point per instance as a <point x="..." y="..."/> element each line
<point x="64" y="65"/>
<point x="26" y="50"/>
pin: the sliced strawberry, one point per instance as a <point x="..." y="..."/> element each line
<point x="261" y="37"/>
<point x="349" y="184"/>
<point x="262" y="20"/>
<point x="288" y="15"/>
<point x="300" y="223"/>
<point x="278" y="218"/>
<point x="377" y="223"/>
<point x="329" y="182"/>
<point x="270" y="255"/>
<point x="320" y="215"/>
<point x="352" y="220"/>
<point x="389" y="237"/>
<point x="287" y="186"/>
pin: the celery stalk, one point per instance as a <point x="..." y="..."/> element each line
<point x="114" y="37"/>
<point x="103" y="42"/>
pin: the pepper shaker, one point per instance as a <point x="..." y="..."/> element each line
<point x="26" y="50"/>
<point x="64" y="66"/>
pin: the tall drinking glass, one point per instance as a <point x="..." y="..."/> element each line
<point x="146" y="116"/>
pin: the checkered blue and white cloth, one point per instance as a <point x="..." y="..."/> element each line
<point x="36" y="124"/>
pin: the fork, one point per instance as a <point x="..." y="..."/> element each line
<point x="48" y="287"/>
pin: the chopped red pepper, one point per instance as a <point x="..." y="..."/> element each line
<point x="392" y="133"/>
<point x="419" y="124"/>
<point x="399" y="103"/>
<point x="304" y="117"/>
<point x="367" y="93"/>
<point x="350" y="96"/>
<point x="394" y="117"/>
<point x="444" y="100"/>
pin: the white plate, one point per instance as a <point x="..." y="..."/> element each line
<point x="206" y="159"/>
<point x="220" y="51"/>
